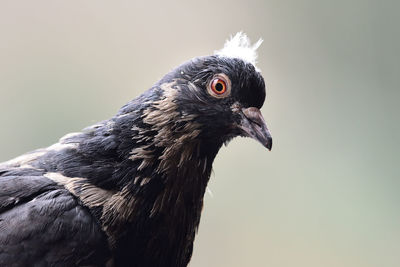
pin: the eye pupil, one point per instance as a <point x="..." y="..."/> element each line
<point x="219" y="87"/>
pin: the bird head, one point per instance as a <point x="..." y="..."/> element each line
<point x="223" y="93"/>
<point x="226" y="95"/>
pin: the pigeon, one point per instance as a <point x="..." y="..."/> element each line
<point x="128" y="191"/>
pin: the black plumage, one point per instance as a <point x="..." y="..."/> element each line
<point x="128" y="191"/>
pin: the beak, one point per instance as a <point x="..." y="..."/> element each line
<point x="253" y="125"/>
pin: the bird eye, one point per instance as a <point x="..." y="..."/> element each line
<point x="219" y="86"/>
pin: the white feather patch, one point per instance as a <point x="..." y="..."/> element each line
<point x="239" y="47"/>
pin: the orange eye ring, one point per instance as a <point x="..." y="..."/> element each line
<point x="219" y="86"/>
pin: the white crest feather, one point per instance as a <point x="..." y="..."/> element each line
<point x="239" y="47"/>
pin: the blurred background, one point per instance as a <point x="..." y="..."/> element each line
<point x="327" y="194"/>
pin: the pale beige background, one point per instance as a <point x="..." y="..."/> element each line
<point x="328" y="193"/>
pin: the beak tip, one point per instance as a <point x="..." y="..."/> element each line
<point x="268" y="145"/>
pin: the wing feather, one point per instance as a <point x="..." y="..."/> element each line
<point x="41" y="223"/>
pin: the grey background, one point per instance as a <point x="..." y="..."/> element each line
<point x="327" y="194"/>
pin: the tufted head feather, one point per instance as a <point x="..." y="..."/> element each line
<point x="239" y="47"/>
